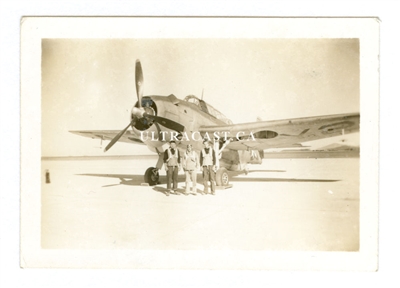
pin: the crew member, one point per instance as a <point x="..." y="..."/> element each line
<point x="172" y="163"/>
<point x="208" y="162"/>
<point x="190" y="166"/>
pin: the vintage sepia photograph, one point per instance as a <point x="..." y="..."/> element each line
<point x="182" y="145"/>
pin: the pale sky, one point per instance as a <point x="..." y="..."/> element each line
<point x="90" y="84"/>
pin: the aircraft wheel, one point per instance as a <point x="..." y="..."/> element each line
<point x="151" y="176"/>
<point x="222" y="177"/>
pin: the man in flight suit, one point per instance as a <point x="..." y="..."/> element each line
<point x="190" y="166"/>
<point x="208" y="162"/>
<point x="172" y="163"/>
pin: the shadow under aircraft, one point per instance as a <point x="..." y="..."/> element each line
<point x="137" y="180"/>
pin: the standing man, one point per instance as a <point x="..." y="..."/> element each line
<point x="208" y="162"/>
<point x="190" y="166"/>
<point x="172" y="163"/>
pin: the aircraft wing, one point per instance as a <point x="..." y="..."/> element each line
<point x="285" y="133"/>
<point x="128" y="137"/>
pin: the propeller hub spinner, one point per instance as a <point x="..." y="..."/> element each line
<point x="137" y="112"/>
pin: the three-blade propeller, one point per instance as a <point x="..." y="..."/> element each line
<point x="139" y="111"/>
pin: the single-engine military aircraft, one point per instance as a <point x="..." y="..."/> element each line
<point x="155" y="120"/>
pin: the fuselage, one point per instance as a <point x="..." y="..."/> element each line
<point x="192" y="113"/>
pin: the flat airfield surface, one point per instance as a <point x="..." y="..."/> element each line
<point x="283" y="204"/>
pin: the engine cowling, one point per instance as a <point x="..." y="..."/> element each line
<point x="141" y="122"/>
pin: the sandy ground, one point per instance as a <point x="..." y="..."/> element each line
<point x="283" y="204"/>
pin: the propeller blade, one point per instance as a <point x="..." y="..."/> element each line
<point x="167" y="122"/>
<point x="139" y="82"/>
<point x="116" y="138"/>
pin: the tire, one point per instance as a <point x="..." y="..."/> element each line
<point x="151" y="177"/>
<point x="222" y="177"/>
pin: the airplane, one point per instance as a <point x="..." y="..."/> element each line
<point x="156" y="120"/>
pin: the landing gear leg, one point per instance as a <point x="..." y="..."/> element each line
<point x="221" y="176"/>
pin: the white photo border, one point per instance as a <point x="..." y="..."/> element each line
<point x="34" y="29"/>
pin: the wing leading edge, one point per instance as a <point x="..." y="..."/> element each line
<point x="128" y="137"/>
<point x="285" y="133"/>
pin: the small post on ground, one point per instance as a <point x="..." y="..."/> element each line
<point x="47" y="176"/>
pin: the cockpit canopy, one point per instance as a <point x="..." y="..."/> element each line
<point x="207" y="108"/>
